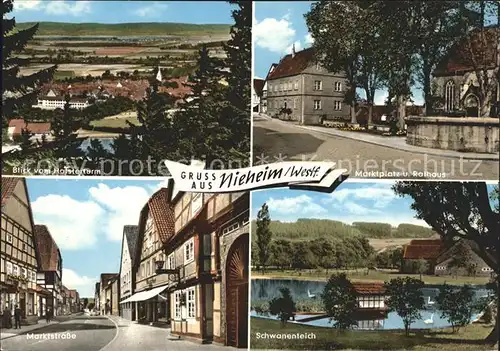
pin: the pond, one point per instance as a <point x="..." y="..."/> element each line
<point x="266" y="289"/>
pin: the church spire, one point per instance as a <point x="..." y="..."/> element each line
<point x="293" y="50"/>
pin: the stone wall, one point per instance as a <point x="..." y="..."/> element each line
<point x="469" y="134"/>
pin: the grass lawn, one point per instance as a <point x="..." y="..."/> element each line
<point x="115" y="122"/>
<point x="360" y="275"/>
<point x="59" y="75"/>
<point x="468" y="339"/>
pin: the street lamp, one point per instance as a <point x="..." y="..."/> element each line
<point x="174" y="274"/>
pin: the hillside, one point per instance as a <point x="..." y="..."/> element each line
<point x="310" y="229"/>
<point x="125" y="29"/>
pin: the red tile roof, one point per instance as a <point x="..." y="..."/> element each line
<point x="258" y="86"/>
<point x="162" y="213"/>
<point x="460" y="59"/>
<point x="423" y="249"/>
<point x="8" y="187"/>
<point x="291" y="65"/>
<point x="33" y="127"/>
<point x="47" y="249"/>
<point x="369" y="288"/>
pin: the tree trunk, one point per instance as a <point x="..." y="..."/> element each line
<point x="401" y="112"/>
<point x="370" y="113"/>
<point x="485" y="104"/>
<point x="353" y="113"/>
<point x="427" y="93"/>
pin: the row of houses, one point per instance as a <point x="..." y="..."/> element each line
<point x="30" y="260"/>
<point x="313" y="94"/>
<point x="457" y="258"/>
<point x="184" y="265"/>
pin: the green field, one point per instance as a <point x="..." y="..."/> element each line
<point x="468" y="339"/>
<point x="372" y="276"/>
<point x="63" y="74"/>
<point x="115" y="122"/>
<point x="125" y="29"/>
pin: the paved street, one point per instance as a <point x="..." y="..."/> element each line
<point x="276" y="140"/>
<point x="85" y="333"/>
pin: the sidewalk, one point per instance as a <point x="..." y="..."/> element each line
<point x="399" y="143"/>
<point x="9" y="333"/>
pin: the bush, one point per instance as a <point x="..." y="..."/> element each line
<point x="488" y="314"/>
<point x="261" y="307"/>
<point x="118" y="130"/>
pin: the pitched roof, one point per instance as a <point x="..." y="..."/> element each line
<point x="426" y="249"/>
<point x="258" y="85"/>
<point x="107" y="278"/>
<point x="469" y="244"/>
<point x="369" y="288"/>
<point x="162" y="214"/>
<point x="131" y="232"/>
<point x="460" y="59"/>
<point x="47" y="248"/>
<point x="8" y="186"/>
<point x="291" y="65"/>
<point x="34" y="127"/>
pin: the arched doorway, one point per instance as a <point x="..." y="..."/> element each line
<point x="472" y="106"/>
<point x="237" y="293"/>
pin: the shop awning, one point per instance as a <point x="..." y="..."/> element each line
<point x="145" y="295"/>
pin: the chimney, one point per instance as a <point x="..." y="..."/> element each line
<point x="293" y="50"/>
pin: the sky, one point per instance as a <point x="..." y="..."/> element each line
<point x="350" y="202"/>
<point x="86" y="218"/>
<point x="196" y="12"/>
<point x="277" y="26"/>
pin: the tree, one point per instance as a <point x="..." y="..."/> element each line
<point x="234" y="122"/>
<point x="284" y="306"/>
<point x="405" y="297"/>
<point x="421" y="266"/>
<point x="26" y="142"/>
<point x="397" y="257"/>
<point x="85" y="302"/>
<point x="18" y="90"/>
<point x="64" y="127"/>
<point x="459" y="210"/>
<point x="264" y="236"/>
<point x="282" y="253"/>
<point x="456" y="305"/>
<point x="340" y="301"/>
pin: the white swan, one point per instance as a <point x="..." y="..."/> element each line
<point x="430" y="320"/>
<point x="311" y="296"/>
<point x="429" y="302"/>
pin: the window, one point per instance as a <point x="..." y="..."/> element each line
<point x="337" y="86"/>
<point x="486" y="269"/>
<point x="9" y="268"/>
<point x="15" y="270"/>
<point x="318" y="85"/>
<point x="449" y="96"/>
<point x="191" y="303"/>
<point x="296" y="85"/>
<point x="337" y="105"/>
<point x="281" y="86"/>
<point x="318" y="66"/>
<point x="317" y="104"/>
<point x="189" y="251"/>
<point x="171" y="261"/>
<point x="9" y="238"/>
<point x="177" y="305"/>
<point x="289" y="85"/>
<point x="295" y="103"/>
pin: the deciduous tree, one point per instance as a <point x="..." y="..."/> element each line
<point x="264" y="236"/>
<point x="340" y="301"/>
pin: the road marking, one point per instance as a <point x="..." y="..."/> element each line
<point x="116" y="335"/>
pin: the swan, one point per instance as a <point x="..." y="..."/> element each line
<point x="429" y="302"/>
<point x="311" y="296"/>
<point x="430" y="320"/>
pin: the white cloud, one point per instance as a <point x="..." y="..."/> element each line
<point x="85" y="285"/>
<point x="379" y="196"/>
<point x="300" y="205"/>
<point x="273" y="34"/>
<point x="308" y="39"/>
<point x="153" y="10"/>
<point x="73" y="224"/>
<point x="380" y="97"/>
<point x="63" y="8"/>
<point x="122" y="205"/>
<point x="21" y="5"/>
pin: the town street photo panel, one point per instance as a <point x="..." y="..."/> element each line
<point x="134" y="265"/>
